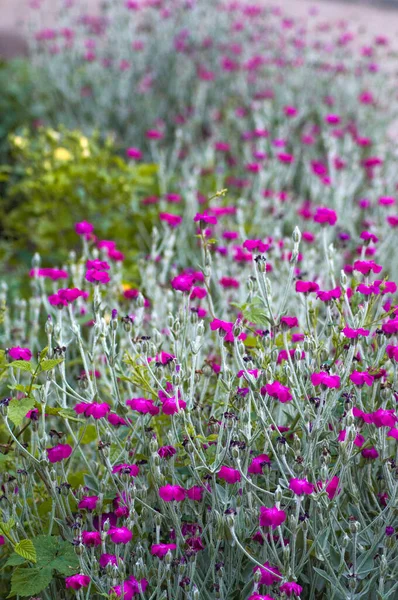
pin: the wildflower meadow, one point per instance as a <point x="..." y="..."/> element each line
<point x="198" y="308"/>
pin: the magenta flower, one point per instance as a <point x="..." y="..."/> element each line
<point x="323" y="378"/>
<point x="367" y="266"/>
<point x="183" y="283"/>
<point x="198" y="292"/>
<point x="143" y="406"/>
<point x="170" y="219"/>
<point x="169" y="492"/>
<point x="257" y="464"/>
<point x="131" y="587"/>
<point x="134" y="153"/>
<point x="301" y="486"/>
<point x="229" y="475"/>
<point x="95" y="276"/>
<point x="328" y="295"/>
<point x="332" y="488"/>
<point x="291" y="588"/>
<point x="325" y="215"/>
<point x="271" y="517"/>
<point x="76" y="582"/>
<point x="92" y="409"/>
<point x="289" y="322"/>
<point x="115" y="420"/>
<point x="392" y="352"/>
<point x="59" y="453"/>
<point x="229" y="282"/>
<point x="84" y="228"/>
<point x="384" y="418"/>
<point x="361" y="378"/>
<point x="205" y="218"/>
<point x="354" y="333"/>
<point x="358" y="441"/>
<point x="132" y="470"/>
<point x="285" y="157"/>
<point x="2" y="540"/>
<point x="105" y="559"/>
<point x="393" y="433"/>
<point x="166" y="451"/>
<point x="269" y="575"/>
<point x="50" y="273"/>
<point x="120" y="535"/>
<point x="88" y="502"/>
<point x="160" y="550"/>
<point x="370" y="453"/>
<point x="195" y="493"/>
<point x="18" y="353"/>
<point x="306" y="287"/>
<point x="170" y="405"/>
<point x="260" y="597"/>
<point x="390" y="327"/>
<point x="278" y="391"/>
<point x="91" y="538"/>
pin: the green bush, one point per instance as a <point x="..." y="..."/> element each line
<point x="60" y="178"/>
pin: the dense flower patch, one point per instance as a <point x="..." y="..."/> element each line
<point x="224" y="424"/>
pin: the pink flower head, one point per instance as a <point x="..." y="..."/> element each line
<point x="95" y="276"/>
<point x="390" y="327"/>
<point x="256" y="466"/>
<point x="271" y="517"/>
<point x="170" y="404"/>
<point x="328" y="295"/>
<point x="76" y="582"/>
<point x="384" y="418"/>
<point x="115" y="420"/>
<point x="88" y="502"/>
<point x="143" y="406"/>
<point x="84" y="228"/>
<point x="18" y="353"/>
<point x="368" y="236"/>
<point x="366" y="266"/>
<point x="91" y="538"/>
<point x="130" y="588"/>
<point x="195" y="493"/>
<point x="205" y="218"/>
<point x="132" y="470"/>
<point x="358" y="441"/>
<point x="392" y="352"/>
<point x="120" y="535"/>
<point x="332" y="487"/>
<point x="229" y="475"/>
<point x="160" y="550"/>
<point x="170" y="219"/>
<point x="361" y="378"/>
<point x="168" y="493"/>
<point x="285" y="157"/>
<point x="355" y="333"/>
<point x="106" y="559"/>
<point x="183" y="283"/>
<point x="301" y="486"/>
<point x="290" y="322"/>
<point x="198" y="292"/>
<point x="306" y="287"/>
<point x="325" y="215"/>
<point x="99" y="265"/>
<point x="166" y="451"/>
<point x="323" y="378"/>
<point x="48" y="272"/>
<point x="291" y="588"/>
<point x="92" y="409"/>
<point x="59" y="453"/>
<point x="229" y="282"/>
<point x="154" y="134"/>
<point x="134" y="153"/>
<point x="278" y="391"/>
<point x="370" y="453"/>
<point x="260" y="596"/>
<point x="269" y="575"/>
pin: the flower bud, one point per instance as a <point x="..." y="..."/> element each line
<point x="296" y="235"/>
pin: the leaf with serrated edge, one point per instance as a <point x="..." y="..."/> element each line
<point x="17" y="409"/>
<point x="29" y="582"/>
<point x="26" y="549"/>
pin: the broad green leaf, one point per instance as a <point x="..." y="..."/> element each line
<point x="6" y="527"/>
<point x="48" y="365"/>
<point x="26" y="549"/>
<point x="29" y="582"/>
<point x="91" y="483"/>
<point x="15" y="560"/>
<point x="17" y="409"/>
<point x="43" y="353"/>
<point x="23" y="365"/>
<point x="55" y="553"/>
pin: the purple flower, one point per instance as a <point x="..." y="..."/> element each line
<point x="91" y="538"/>
<point x="18" y="353"/>
<point x="291" y="588"/>
<point x="92" y="409"/>
<point x="95" y="276"/>
<point x="132" y="470"/>
<point x="58" y="453"/>
<point x="278" y="391"/>
<point x="84" y="228"/>
<point x="301" y="486"/>
<point x="195" y="493"/>
<point x="166" y="451"/>
<point x="389" y="530"/>
<point x="76" y="582"/>
<point x="105" y="559"/>
<point x="256" y="466"/>
<point x="271" y="517"/>
<point x="143" y="406"/>
<point x="370" y="453"/>
<point x="88" y="502"/>
<point x="269" y="575"/>
<point x="168" y="493"/>
<point x="131" y="587"/>
<point x="361" y="378"/>
<point x="120" y="535"/>
<point x="323" y="378"/>
<point x="229" y="475"/>
<point x="160" y="550"/>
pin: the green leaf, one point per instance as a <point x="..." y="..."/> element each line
<point x="17" y="409"/>
<point x="50" y="364"/>
<point x="6" y="527"/>
<point x="43" y="353"/>
<point x="91" y="483"/>
<point x="23" y="365"/>
<point x="54" y="553"/>
<point x="26" y="549"/>
<point x="15" y="560"/>
<point x="29" y="582"/>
